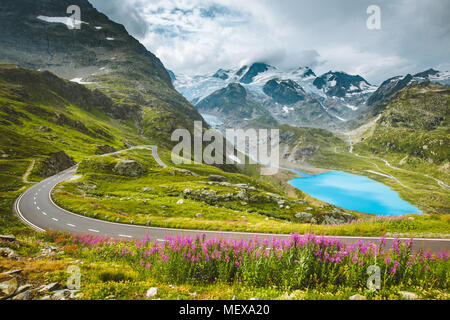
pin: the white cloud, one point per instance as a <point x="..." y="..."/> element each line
<point x="197" y="36"/>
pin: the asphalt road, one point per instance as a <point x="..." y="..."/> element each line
<point x="36" y="208"/>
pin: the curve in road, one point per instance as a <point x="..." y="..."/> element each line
<point x="37" y="209"/>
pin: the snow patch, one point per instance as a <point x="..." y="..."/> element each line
<point x="69" y="22"/>
<point x="287" y="109"/>
<point x="80" y="81"/>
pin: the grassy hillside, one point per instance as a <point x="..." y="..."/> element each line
<point x="413" y="123"/>
<point x="102" y="55"/>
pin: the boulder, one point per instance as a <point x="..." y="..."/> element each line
<point x="55" y="163"/>
<point x="348" y="217"/>
<point x="242" y="195"/>
<point x="9" y="238"/>
<point x="7" y="288"/>
<point x="151" y="292"/>
<point x="129" y="168"/>
<point x="10" y="273"/>
<point x="8" y="253"/>
<point x="217" y="178"/>
<point x="61" y="294"/>
<point x="106" y="149"/>
<point x="409" y="295"/>
<point x="187" y="172"/>
<point x="49" y="287"/>
<point x="304" y="216"/>
<point x="24" y="288"/>
<point x="44" y="129"/>
<point x="26" y="295"/>
<point x="330" y="220"/>
<point x="357" y="297"/>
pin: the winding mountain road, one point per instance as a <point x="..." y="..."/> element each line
<point x="37" y="209"/>
<point x="440" y="183"/>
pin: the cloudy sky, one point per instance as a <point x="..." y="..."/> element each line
<point x="201" y="36"/>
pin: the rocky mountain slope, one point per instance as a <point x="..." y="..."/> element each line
<point x="413" y="122"/>
<point x="236" y="108"/>
<point x="395" y="84"/>
<point x="100" y="55"/>
<point x="47" y="118"/>
<point x="295" y="97"/>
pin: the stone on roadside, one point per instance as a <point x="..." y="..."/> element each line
<point x="8" y="253"/>
<point x="24" y="288"/>
<point x="26" y="295"/>
<point x="181" y="201"/>
<point x="409" y="295"/>
<point x="304" y="216"/>
<point x="7" y="288"/>
<point x="151" y="292"/>
<point x="49" y="287"/>
<point x="357" y="297"/>
<point x="61" y="294"/>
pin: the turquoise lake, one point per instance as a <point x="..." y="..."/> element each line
<point x="353" y="192"/>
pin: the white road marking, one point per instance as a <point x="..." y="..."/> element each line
<point x="35" y="203"/>
<point x="71" y="225"/>
<point x="125" y="236"/>
<point x="44" y="213"/>
<point x="38" y="208"/>
<point x="92" y="230"/>
<point x="54" y="219"/>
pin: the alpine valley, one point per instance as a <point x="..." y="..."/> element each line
<point x="87" y="176"/>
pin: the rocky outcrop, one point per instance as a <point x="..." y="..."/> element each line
<point x="217" y="178"/>
<point x="338" y="84"/>
<point x="284" y="91"/>
<point x="104" y="150"/>
<point x="8" y="288"/>
<point x="337" y="216"/>
<point x="8" y="253"/>
<point x="212" y="197"/>
<point x="55" y="163"/>
<point x="304" y="153"/>
<point x="254" y="70"/>
<point x="389" y="88"/>
<point x="129" y="168"/>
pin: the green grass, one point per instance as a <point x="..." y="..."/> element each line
<point x="101" y="194"/>
<point x="106" y="278"/>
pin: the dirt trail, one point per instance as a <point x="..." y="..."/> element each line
<point x="28" y="172"/>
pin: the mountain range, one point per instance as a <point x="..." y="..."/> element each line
<point x="295" y="97"/>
